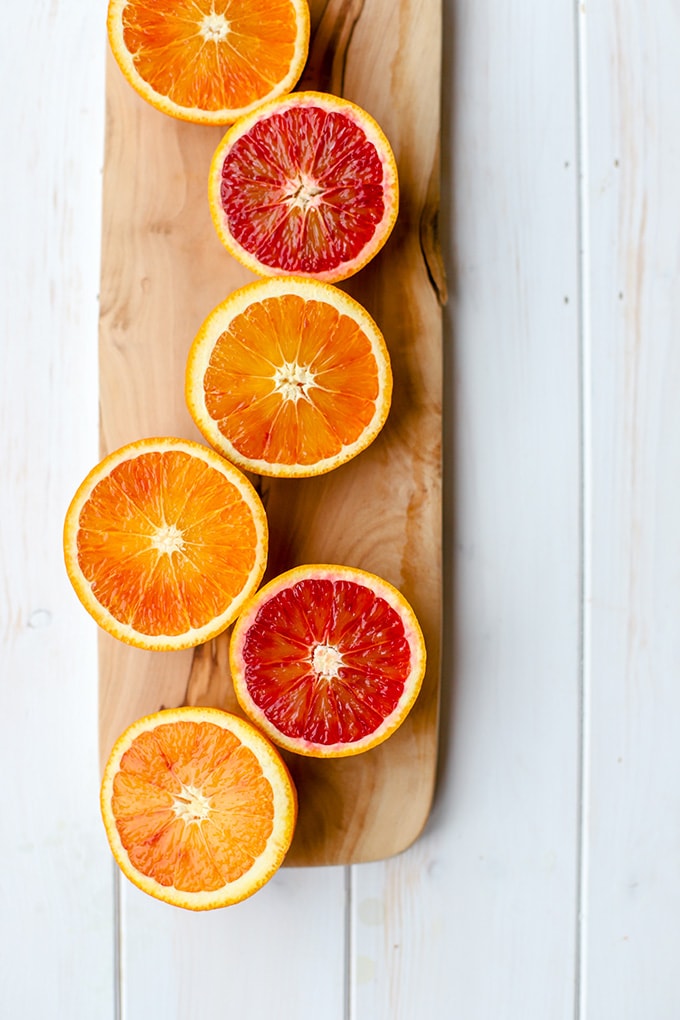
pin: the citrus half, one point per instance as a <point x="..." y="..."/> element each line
<point x="164" y="541"/>
<point x="209" y="61"/>
<point x="198" y="807"/>
<point x="289" y="377"/>
<point x="305" y="185"/>
<point x="327" y="660"/>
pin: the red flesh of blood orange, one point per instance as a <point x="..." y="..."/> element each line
<point x="327" y="660"/>
<point x="307" y="185"/>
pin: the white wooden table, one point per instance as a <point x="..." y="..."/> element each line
<point x="547" y="883"/>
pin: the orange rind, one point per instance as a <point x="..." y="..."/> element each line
<point x="164" y="542"/>
<point x="289" y="377"/>
<point x="327" y="660"/>
<point x="209" y="61"/>
<point x="198" y="806"/>
<point x="305" y="185"/>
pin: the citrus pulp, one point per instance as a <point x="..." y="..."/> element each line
<point x="327" y="660"/>
<point x="164" y="541"/>
<point x="289" y="377"/>
<point x="198" y="807"/>
<point x="305" y="185"/>
<point x="209" y="61"/>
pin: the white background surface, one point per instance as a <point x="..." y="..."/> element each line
<point x="547" y="883"/>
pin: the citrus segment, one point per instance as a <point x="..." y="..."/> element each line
<point x="199" y="808"/>
<point x="209" y="61"/>
<point x="164" y="541"/>
<point x="306" y="185"/>
<point x="289" y="377"/>
<point x="327" y="660"/>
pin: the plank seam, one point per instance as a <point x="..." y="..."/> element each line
<point x="117" y="947"/>
<point x="585" y="487"/>
<point x="349" y="945"/>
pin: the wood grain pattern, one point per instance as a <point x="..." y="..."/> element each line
<point x="163" y="270"/>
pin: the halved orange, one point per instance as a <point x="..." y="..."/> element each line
<point x="209" y="61"/>
<point x="198" y="807"/>
<point x="305" y="185"/>
<point x="327" y="660"/>
<point x="164" y="541"/>
<point x="289" y="377"/>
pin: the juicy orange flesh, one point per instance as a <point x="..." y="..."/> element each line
<point x="302" y="190"/>
<point x="154" y="793"/>
<point x="207" y="527"/>
<point x="291" y="423"/>
<point x="278" y="655"/>
<point x="175" y="58"/>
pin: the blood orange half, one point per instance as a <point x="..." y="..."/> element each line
<point x="327" y="660"/>
<point x="198" y="807"/>
<point x="289" y="377"/>
<point x="305" y="185"/>
<point x="209" y="61"/>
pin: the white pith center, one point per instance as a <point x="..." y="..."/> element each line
<point x="191" y="805"/>
<point x="214" y="27"/>
<point x="326" y="661"/>
<point x="304" y="193"/>
<point x="168" y="539"/>
<point x="293" y="381"/>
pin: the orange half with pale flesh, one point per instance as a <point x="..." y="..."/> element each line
<point x="289" y="377"/>
<point x="209" y="61"/>
<point x="198" y="806"/>
<point x="164" y="541"/>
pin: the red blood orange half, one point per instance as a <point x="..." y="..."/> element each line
<point x="305" y="185"/>
<point x="327" y="660"/>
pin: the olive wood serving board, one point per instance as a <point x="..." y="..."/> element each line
<point x="163" y="270"/>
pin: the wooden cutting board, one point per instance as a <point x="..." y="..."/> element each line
<point x="163" y="270"/>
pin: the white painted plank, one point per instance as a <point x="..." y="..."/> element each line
<point x="478" y="919"/>
<point x="279" y="954"/>
<point x="56" y="945"/>
<point x="632" y="932"/>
